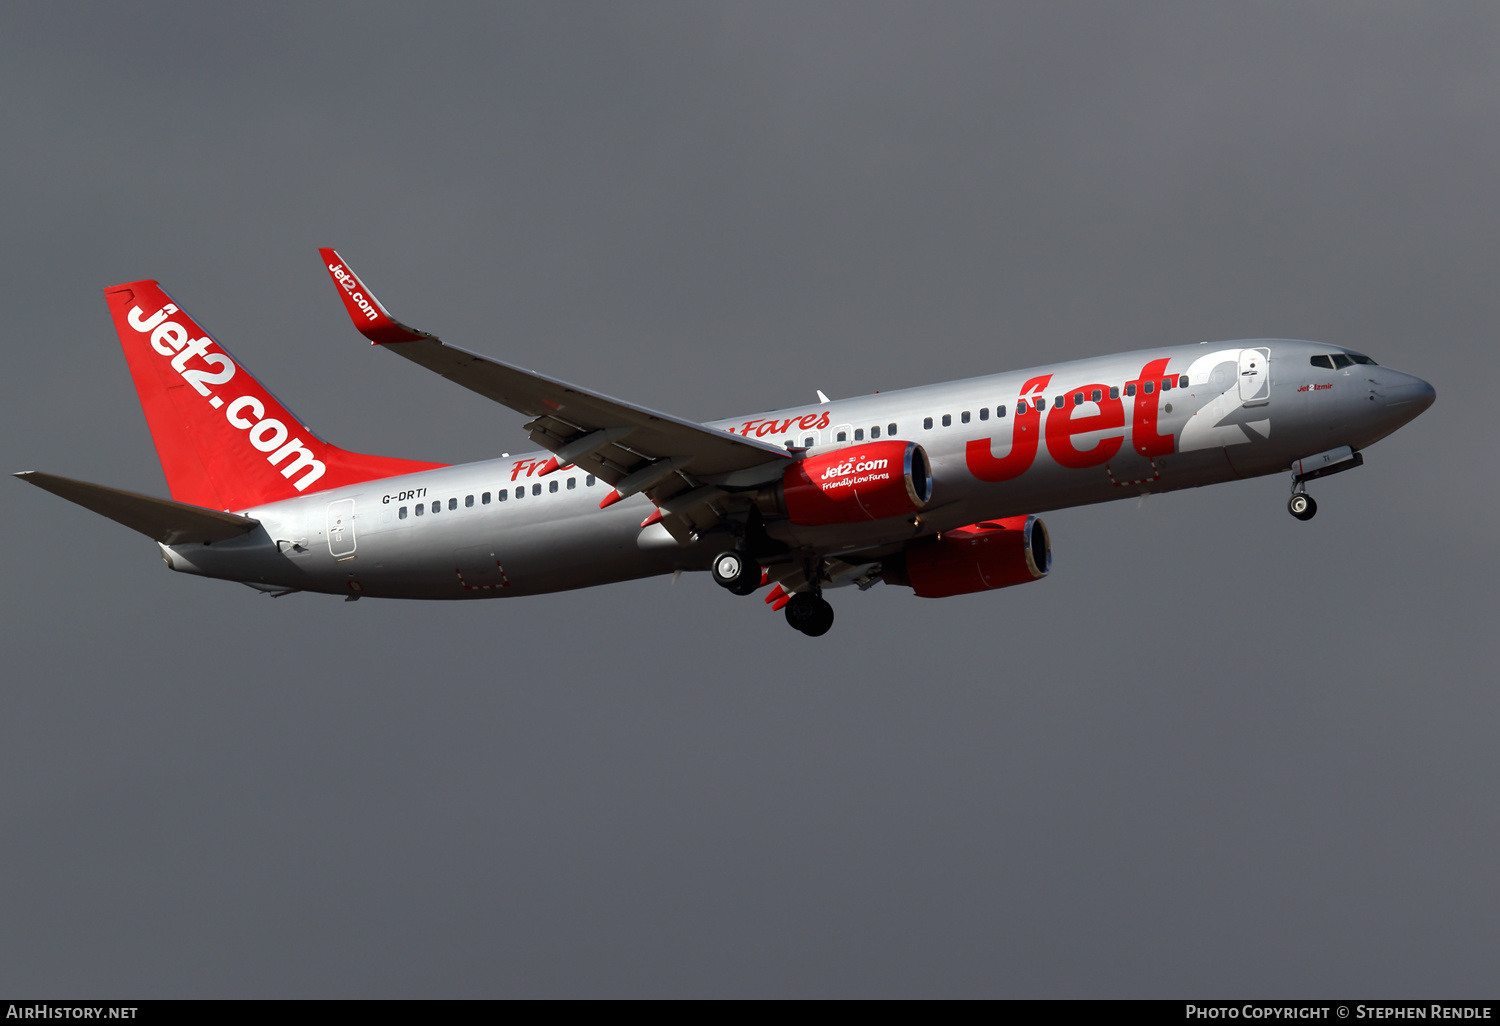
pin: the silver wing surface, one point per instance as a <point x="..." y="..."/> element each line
<point x="689" y="471"/>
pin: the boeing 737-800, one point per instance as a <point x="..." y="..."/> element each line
<point x="935" y="488"/>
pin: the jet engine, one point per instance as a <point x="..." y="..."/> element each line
<point x="864" y="481"/>
<point x="979" y="557"/>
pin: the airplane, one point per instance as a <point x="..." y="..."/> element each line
<point x="936" y="488"/>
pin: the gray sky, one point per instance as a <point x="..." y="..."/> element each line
<point x="1217" y="753"/>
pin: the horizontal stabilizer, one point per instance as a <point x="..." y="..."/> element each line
<point x="162" y="520"/>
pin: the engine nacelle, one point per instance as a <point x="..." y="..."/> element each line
<point x="863" y="481"/>
<point x="980" y="557"/>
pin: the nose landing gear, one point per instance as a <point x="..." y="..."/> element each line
<point x="1302" y="506"/>
<point x="1334" y="461"/>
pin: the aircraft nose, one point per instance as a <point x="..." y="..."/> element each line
<point x="1410" y="393"/>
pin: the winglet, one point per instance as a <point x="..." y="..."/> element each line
<point x="370" y="318"/>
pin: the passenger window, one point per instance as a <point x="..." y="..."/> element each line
<point x="890" y="429"/>
<point x="947" y="420"/>
<point x="875" y="431"/>
<point x="984" y="413"/>
<point x="1130" y="388"/>
<point x="536" y="489"/>
<point x="1149" y="387"/>
<point x="1340" y="361"/>
<point x="927" y="423"/>
<point x="1096" y="395"/>
<point x="552" y="485"/>
<point x="1040" y="402"/>
<point x="1114" y="391"/>
<point x="421" y="508"/>
<point x="1166" y="384"/>
<point x="843" y="436"/>
<point x="521" y="492"/>
<point x="964" y="416"/>
<point x="1077" y="398"/>
<point x="453" y="502"/>
<point x="572" y="483"/>
<point x="999" y="412"/>
<point x="859" y="434"/>
<point x="437" y="507"/>
<point x="1020" y="407"/>
<point x="468" y="500"/>
<point x="1057" y="401"/>
<point x="502" y="495"/>
<point x="1182" y="381"/>
<point x="401" y="515"/>
<point x="809" y="442"/>
<point x="484" y="500"/>
<point x="589" y="481"/>
<point x="1326" y="362"/>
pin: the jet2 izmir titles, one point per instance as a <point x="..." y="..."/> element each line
<point x="933" y="488"/>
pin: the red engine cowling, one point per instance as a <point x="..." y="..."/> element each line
<point x="863" y="481"/>
<point x="980" y="557"/>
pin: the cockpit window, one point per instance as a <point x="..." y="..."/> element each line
<point x="1362" y="358"/>
<point x="1326" y="362"/>
<point x="1340" y="361"/>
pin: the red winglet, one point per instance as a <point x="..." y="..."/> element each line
<point x="370" y="318"/>
<point x="613" y="497"/>
<point x="780" y="602"/>
<point x="774" y="594"/>
<point x="654" y="518"/>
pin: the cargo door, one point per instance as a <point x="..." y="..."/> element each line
<point x="478" y="568"/>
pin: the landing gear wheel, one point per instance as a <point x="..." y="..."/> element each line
<point x="1302" y="506"/>
<point x="736" y="572"/>
<point x="810" y="614"/>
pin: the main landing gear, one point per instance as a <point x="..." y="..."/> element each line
<point x="807" y="611"/>
<point x="736" y="572"/>
<point x="811" y="614"/>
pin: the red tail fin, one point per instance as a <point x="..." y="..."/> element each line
<point x="225" y="442"/>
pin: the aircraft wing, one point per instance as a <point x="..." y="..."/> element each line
<point x="630" y="447"/>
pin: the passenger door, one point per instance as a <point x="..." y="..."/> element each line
<point x="1255" y="377"/>
<point x="341" y="529"/>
